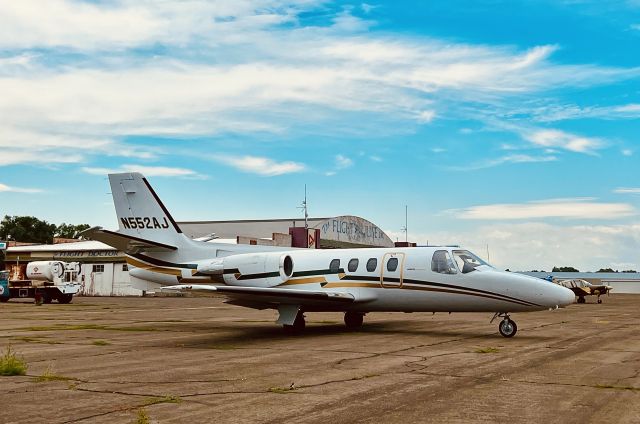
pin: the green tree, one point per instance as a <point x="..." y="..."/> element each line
<point x="606" y="270"/>
<point x="70" y="230"/>
<point x="28" y="229"/>
<point x="564" y="269"/>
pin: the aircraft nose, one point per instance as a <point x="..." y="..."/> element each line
<point x="565" y="296"/>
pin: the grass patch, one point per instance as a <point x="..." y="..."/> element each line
<point x="142" y="417"/>
<point x="49" y="375"/>
<point x="35" y="340"/>
<point x="362" y="377"/>
<point x="162" y="399"/>
<point x="64" y="327"/>
<point x="12" y="364"/>
<point x="608" y="386"/>
<point x="100" y="343"/>
<point x="487" y="350"/>
<point x="222" y="347"/>
<point x="281" y="390"/>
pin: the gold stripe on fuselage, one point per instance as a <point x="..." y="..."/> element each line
<point x="153" y="268"/>
<point x="305" y="280"/>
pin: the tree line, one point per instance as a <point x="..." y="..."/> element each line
<point x="29" y="229"/>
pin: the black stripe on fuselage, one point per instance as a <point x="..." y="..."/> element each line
<point x="433" y="284"/>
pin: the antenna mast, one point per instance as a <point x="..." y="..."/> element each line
<point x="405" y="229"/>
<point x="304" y="208"/>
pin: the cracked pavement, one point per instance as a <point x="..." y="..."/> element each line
<point x="199" y="360"/>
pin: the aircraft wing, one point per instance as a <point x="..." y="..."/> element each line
<point x="270" y="294"/>
<point x="126" y="243"/>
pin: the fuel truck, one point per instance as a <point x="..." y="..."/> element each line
<point x="46" y="280"/>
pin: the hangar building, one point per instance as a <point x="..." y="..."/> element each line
<point x="105" y="270"/>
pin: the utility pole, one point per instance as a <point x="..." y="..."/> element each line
<point x="304" y="208"/>
<point x="405" y="229"/>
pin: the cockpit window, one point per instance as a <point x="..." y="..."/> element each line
<point x="467" y="261"/>
<point x="442" y="263"/>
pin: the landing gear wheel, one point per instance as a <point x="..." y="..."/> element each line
<point x="46" y="299"/>
<point x="65" y="298"/>
<point x="599" y="300"/>
<point x="507" y="328"/>
<point x="298" y="325"/>
<point x="353" y="319"/>
<point x="581" y="300"/>
<point x="4" y="299"/>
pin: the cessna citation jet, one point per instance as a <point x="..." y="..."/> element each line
<point x="296" y="281"/>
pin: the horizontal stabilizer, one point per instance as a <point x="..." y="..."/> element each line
<point x="264" y="293"/>
<point x="126" y="243"/>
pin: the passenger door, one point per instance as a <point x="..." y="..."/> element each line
<point x="392" y="270"/>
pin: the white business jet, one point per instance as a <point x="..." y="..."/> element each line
<point x="296" y="281"/>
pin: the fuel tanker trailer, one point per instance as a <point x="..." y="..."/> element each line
<point x="46" y="280"/>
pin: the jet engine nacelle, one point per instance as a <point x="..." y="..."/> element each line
<point x="251" y="269"/>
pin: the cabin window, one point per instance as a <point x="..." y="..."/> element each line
<point x="98" y="268"/>
<point x="334" y="266"/>
<point x="353" y="265"/>
<point x="442" y="263"/>
<point x="372" y="264"/>
<point x="125" y="267"/>
<point x="392" y="264"/>
<point x="467" y="261"/>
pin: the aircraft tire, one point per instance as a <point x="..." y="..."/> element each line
<point x="46" y="298"/>
<point x="298" y="325"/>
<point x="581" y="300"/>
<point x="353" y="319"/>
<point x="65" y="298"/>
<point x="599" y="300"/>
<point x="4" y="299"/>
<point x="507" y="328"/>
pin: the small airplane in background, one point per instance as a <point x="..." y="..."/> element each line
<point x="582" y="288"/>
<point x="296" y="281"/>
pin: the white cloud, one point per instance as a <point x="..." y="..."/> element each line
<point x="627" y="190"/>
<point x="375" y="158"/>
<point x="260" y="165"/>
<point x="563" y="140"/>
<point x="515" y="158"/>
<point x="552" y="113"/>
<point x="578" y="208"/>
<point x="6" y="188"/>
<point x="343" y="162"/>
<point x="534" y="245"/>
<point x="627" y="152"/>
<point x="635" y="27"/>
<point x="246" y="72"/>
<point x="426" y="116"/>
<point x="149" y="171"/>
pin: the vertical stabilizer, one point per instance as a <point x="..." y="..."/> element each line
<point x="140" y="211"/>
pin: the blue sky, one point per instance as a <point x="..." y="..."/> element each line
<point x="508" y="124"/>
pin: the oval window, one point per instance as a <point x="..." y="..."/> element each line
<point x="392" y="264"/>
<point x="334" y="266"/>
<point x="372" y="264"/>
<point x="353" y="265"/>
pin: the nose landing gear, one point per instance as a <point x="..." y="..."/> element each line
<point x="507" y="327"/>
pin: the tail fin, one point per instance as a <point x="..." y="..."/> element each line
<point x="140" y="211"/>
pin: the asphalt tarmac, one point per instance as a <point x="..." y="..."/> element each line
<point x="197" y="360"/>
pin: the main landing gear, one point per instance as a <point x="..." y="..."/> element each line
<point x="353" y="319"/>
<point x="298" y="325"/>
<point x="507" y="327"/>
